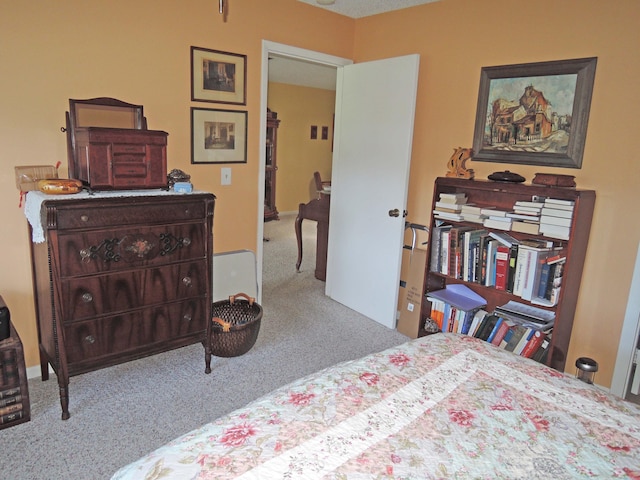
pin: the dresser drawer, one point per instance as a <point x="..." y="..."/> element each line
<point x="87" y="297"/>
<point x="109" y="338"/>
<point x="120" y="148"/>
<point x="103" y="251"/>
<point x="136" y="211"/>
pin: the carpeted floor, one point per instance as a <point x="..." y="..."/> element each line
<point x="120" y="413"/>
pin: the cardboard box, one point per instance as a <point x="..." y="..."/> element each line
<point x="410" y="297"/>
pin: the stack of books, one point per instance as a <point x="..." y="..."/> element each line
<point x="449" y="206"/>
<point x="515" y="327"/>
<point x="555" y="218"/>
<point x="472" y="213"/>
<point x="526" y="217"/>
<point x="11" y="408"/>
<point x="497" y="219"/>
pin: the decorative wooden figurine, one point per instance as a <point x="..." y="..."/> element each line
<point x="457" y="163"/>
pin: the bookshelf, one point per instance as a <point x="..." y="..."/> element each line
<point x="14" y="387"/>
<point x="503" y="196"/>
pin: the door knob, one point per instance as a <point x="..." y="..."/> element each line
<point x="396" y="213"/>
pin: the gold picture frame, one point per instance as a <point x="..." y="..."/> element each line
<point x="218" y="136"/>
<point x="218" y="77"/>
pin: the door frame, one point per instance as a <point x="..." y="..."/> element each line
<point x="280" y="49"/>
<point x="628" y="336"/>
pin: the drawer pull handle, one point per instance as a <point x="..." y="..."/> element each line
<point x="186" y="281"/>
<point x="186" y="317"/>
<point x="85" y="255"/>
<point x="87" y="297"/>
<point x="90" y="339"/>
<point x="186" y="241"/>
<point x="84" y="218"/>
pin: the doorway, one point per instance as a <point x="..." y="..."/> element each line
<point x="294" y="53"/>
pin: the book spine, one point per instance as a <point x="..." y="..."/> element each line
<point x="16" y="407"/>
<point x="435" y="249"/>
<point x="444" y="252"/>
<point x="528" y="334"/>
<point x="533" y="344"/>
<point x="502" y="331"/>
<point x="4" y="402"/>
<point x="495" y="329"/>
<point x="502" y="267"/>
<point x="521" y="266"/>
<point x="11" y="417"/>
<point x="513" y="263"/>
<point x="543" y="280"/>
<point x="9" y="392"/>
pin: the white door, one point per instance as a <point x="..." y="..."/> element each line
<point x="375" y="106"/>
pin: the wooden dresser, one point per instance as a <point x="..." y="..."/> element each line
<point x="119" y="278"/>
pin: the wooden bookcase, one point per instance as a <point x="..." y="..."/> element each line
<point x="503" y="195"/>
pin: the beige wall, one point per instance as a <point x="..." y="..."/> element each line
<point x="298" y="155"/>
<point x="137" y="51"/>
<point x="53" y="51"/>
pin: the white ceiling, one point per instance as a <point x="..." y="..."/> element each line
<point x="296" y="72"/>
<point x="365" y="8"/>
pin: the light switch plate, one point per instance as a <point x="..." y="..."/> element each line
<point x="225" y="176"/>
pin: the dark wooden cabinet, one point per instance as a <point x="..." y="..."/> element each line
<point x="503" y="195"/>
<point x="271" y="167"/>
<point x="119" y="278"/>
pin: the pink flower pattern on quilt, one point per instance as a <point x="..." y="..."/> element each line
<point x="443" y="406"/>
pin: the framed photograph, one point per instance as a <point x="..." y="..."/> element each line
<point x="217" y="76"/>
<point x="535" y="113"/>
<point x="218" y="136"/>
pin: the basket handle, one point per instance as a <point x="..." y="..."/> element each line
<point x="226" y="326"/>
<point x="232" y="298"/>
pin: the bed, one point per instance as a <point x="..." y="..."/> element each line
<point x="441" y="406"/>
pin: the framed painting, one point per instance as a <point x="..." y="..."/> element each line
<point x="218" y="136"/>
<point x="535" y="113"/>
<point x="217" y="76"/>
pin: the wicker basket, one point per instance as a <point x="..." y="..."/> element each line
<point x="235" y="327"/>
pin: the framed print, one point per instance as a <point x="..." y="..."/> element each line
<point x="217" y="76"/>
<point x="534" y="114"/>
<point x="218" y="136"/>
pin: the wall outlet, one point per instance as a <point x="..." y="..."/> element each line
<point x="225" y="176"/>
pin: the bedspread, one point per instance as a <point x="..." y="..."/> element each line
<point x="442" y="406"/>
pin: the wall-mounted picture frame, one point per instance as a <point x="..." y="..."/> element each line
<point x="535" y="113"/>
<point x="218" y="136"/>
<point x="219" y="77"/>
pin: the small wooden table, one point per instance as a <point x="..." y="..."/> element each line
<point x="318" y="210"/>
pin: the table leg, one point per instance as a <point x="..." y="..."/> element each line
<point x="298" y="227"/>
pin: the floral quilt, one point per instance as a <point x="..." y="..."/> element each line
<point x="442" y="406"/>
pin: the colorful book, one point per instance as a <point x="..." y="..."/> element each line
<point x="533" y="344"/>
<point x="505" y="327"/>
<point x="502" y="267"/>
